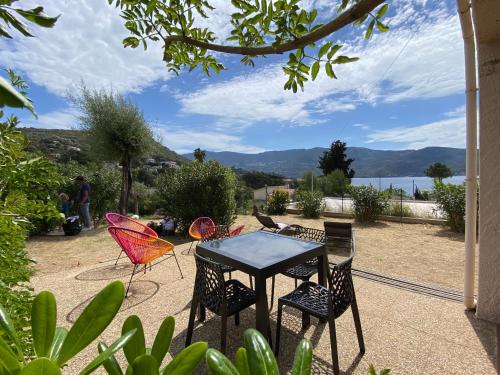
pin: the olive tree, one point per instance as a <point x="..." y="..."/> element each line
<point x="117" y="131"/>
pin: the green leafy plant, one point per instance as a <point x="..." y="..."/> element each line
<point x="199" y="189"/>
<point x="395" y="209"/>
<point x="257" y="358"/>
<point x="277" y="202"/>
<point x="311" y="203"/>
<point x="373" y="371"/>
<point x="55" y="346"/>
<point x="368" y="202"/>
<point x="438" y="171"/>
<point x="148" y="360"/>
<point x="334" y="184"/>
<point x="451" y="200"/>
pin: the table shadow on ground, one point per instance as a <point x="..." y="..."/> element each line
<point x="139" y="292"/>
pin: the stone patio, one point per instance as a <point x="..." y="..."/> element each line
<point x="407" y="332"/>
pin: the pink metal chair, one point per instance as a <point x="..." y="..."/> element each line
<point x="142" y="249"/>
<point x="116" y="220"/>
<point x="236" y="230"/>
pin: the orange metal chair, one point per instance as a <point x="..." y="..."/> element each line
<point x="201" y="227"/>
<point x="142" y="248"/>
<point x="116" y="220"/>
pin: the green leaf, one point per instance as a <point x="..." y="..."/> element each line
<point x="110" y="364"/>
<point x="381" y="27"/>
<point x="43" y="322"/>
<point x="260" y="356"/>
<point x="163" y="339"/>
<point x="137" y="345"/>
<point x="37" y="16"/>
<point x="219" y="364"/>
<point x="344" y="59"/>
<point x="59" y="336"/>
<point x="145" y="365"/>
<point x="333" y="50"/>
<point x="93" y="321"/>
<point x="315" y="70"/>
<point x="151" y="6"/>
<point x="343" y="5"/>
<point x="41" y="366"/>
<point x="329" y="70"/>
<point x="108" y="353"/>
<point x="382" y="11"/>
<point x="241" y="361"/>
<point x="8" y="359"/>
<point x="369" y="30"/>
<point x="303" y="358"/>
<point x="7" y="325"/>
<point x="11" y="98"/>
<point x="324" y="48"/>
<point x="187" y="360"/>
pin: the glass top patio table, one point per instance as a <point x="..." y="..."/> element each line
<point x="264" y="254"/>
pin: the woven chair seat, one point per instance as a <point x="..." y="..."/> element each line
<point x="238" y="297"/>
<point x="309" y="297"/>
<point x="302" y="271"/>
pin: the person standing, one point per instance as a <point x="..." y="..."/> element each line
<point x="84" y="200"/>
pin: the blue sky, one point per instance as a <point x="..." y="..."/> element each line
<point x="406" y="91"/>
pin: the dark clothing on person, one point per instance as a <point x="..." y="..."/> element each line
<point x="65" y="208"/>
<point x="84" y="188"/>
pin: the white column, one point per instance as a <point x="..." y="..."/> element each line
<point x="471" y="165"/>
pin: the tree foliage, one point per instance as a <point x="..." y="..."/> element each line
<point x="199" y="189"/>
<point x="258" y="28"/>
<point x="438" y="171"/>
<point x="117" y="131"/>
<point x="311" y="203"/>
<point x="199" y="155"/>
<point x="451" y="200"/>
<point x="277" y="202"/>
<point x="336" y="158"/>
<point x="257" y="180"/>
<point x="368" y="202"/>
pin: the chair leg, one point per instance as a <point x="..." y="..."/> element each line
<point x="117" y="259"/>
<point x="306" y="320"/>
<point x="333" y="345"/>
<point x="192" y="315"/>
<point x="223" y="333"/>
<point x="278" y="330"/>
<point x="178" y="266"/>
<point x="130" y="281"/>
<point x="272" y="294"/>
<point x="357" y="323"/>
<point x="251" y="281"/>
<point x="230" y="275"/>
<point x="202" y="314"/>
<point x="237" y="319"/>
<point x="296" y="283"/>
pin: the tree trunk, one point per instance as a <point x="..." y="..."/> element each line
<point x="486" y="17"/>
<point x="125" y="189"/>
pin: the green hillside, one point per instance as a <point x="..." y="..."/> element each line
<point x="63" y="145"/>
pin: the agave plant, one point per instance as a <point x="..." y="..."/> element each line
<point x="257" y="358"/>
<point x="148" y="360"/>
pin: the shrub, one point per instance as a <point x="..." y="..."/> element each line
<point x="451" y="200"/>
<point x="368" y="202"/>
<point x="144" y="199"/>
<point x="394" y="209"/>
<point x="277" y="202"/>
<point x="333" y="184"/>
<point x="105" y="185"/>
<point x="199" y="189"/>
<point x="311" y="203"/>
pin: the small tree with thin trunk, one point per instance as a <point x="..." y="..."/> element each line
<point x="117" y="131"/>
<point x="438" y="171"/>
<point x="200" y="155"/>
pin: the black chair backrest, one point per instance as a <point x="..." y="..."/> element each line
<point x="209" y="284"/>
<point x="309" y="234"/>
<point x="267" y="221"/>
<point x="338" y="236"/>
<point x="340" y="283"/>
<point x="215" y="233"/>
<point x="336" y="229"/>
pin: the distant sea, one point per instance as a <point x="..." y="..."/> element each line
<point x="405" y="183"/>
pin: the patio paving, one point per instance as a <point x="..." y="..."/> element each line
<point x="407" y="332"/>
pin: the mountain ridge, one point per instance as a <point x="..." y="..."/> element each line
<point x="367" y="162"/>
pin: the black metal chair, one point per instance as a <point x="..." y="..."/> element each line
<point x="223" y="298"/>
<point x="306" y="270"/>
<point x="326" y="303"/>
<point x="338" y="237"/>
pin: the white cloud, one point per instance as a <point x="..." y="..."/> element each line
<point x="457" y="112"/>
<point x="85" y="44"/>
<point x="61" y="119"/>
<point x="183" y="140"/>
<point x="361" y="126"/>
<point x="445" y="133"/>
<point x="431" y="65"/>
